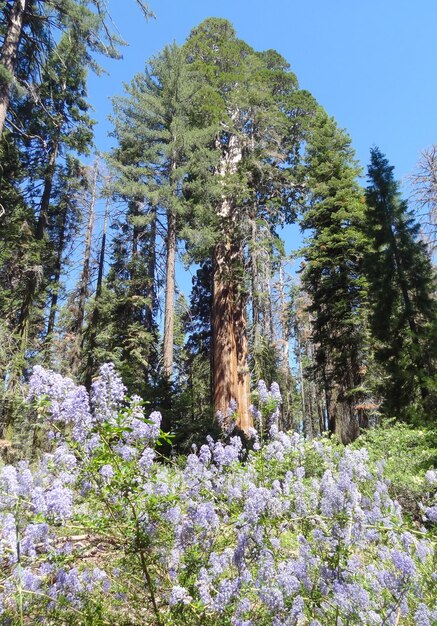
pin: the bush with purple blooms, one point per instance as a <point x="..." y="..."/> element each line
<point x="104" y="530"/>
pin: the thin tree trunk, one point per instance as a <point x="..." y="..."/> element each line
<point x="285" y="324"/>
<point x="85" y="275"/>
<point x="169" y="294"/>
<point x="37" y="274"/>
<point x="243" y="379"/>
<point x="95" y="316"/>
<point x="102" y="252"/>
<point x="306" y="415"/>
<point x="255" y="289"/>
<point x="43" y="219"/>
<point x="8" y="56"/>
<point x="56" y="279"/>
<point x="151" y="266"/>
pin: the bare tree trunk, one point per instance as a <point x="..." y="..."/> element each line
<point x="8" y="56"/>
<point x="243" y="379"/>
<point x="94" y="319"/>
<point x="36" y="274"/>
<point x="255" y="289"/>
<point x="102" y="252"/>
<point x="56" y="279"/>
<point x="85" y="275"/>
<point x="151" y="266"/>
<point x="230" y="351"/>
<point x="285" y="325"/>
<point x="43" y="218"/>
<point x="224" y="347"/>
<point x="169" y="294"/>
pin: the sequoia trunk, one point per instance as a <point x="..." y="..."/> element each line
<point x="230" y="351"/>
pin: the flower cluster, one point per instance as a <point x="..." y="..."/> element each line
<point x="266" y="407"/>
<point x="290" y="533"/>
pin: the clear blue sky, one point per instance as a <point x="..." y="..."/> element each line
<point x="372" y="64"/>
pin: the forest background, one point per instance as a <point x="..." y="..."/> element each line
<point x="343" y="56"/>
<point x="218" y="326"/>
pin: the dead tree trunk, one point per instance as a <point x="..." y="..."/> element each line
<point x="85" y="275"/>
<point x="95" y="316"/>
<point x="57" y="276"/>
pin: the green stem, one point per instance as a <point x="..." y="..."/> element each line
<point x="19" y="568"/>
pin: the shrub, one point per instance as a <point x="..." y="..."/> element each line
<point x="408" y="453"/>
<point x="103" y="530"/>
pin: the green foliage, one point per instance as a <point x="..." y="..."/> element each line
<point x="406" y="453"/>
<point x="257" y="117"/>
<point x="403" y="315"/>
<point x="332" y="276"/>
<point x="134" y="538"/>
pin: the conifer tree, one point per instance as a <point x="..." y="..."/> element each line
<point x="333" y="273"/>
<point x="254" y="103"/>
<point x="41" y="23"/>
<point x="155" y="143"/>
<point x="402" y="293"/>
<point x="56" y="127"/>
<point x="19" y="251"/>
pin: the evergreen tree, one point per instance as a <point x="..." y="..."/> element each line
<point x="57" y="127"/>
<point x="155" y="146"/>
<point x="253" y="101"/>
<point x="193" y="406"/>
<point x="30" y="28"/>
<point x="119" y="327"/>
<point x="402" y="293"/>
<point x="333" y="273"/>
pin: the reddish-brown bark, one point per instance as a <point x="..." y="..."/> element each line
<point x="230" y="350"/>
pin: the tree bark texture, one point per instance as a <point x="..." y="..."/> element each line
<point x="230" y="350"/>
<point x="8" y="55"/>
<point x="228" y="320"/>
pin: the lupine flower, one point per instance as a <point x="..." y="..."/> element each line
<point x="264" y="541"/>
<point x="179" y="595"/>
<point x="431" y="477"/>
<point x="431" y="513"/>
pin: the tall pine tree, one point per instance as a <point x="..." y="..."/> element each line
<point x="333" y="273"/>
<point x="402" y="295"/>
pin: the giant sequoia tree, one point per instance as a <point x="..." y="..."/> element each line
<point x="254" y="103"/>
